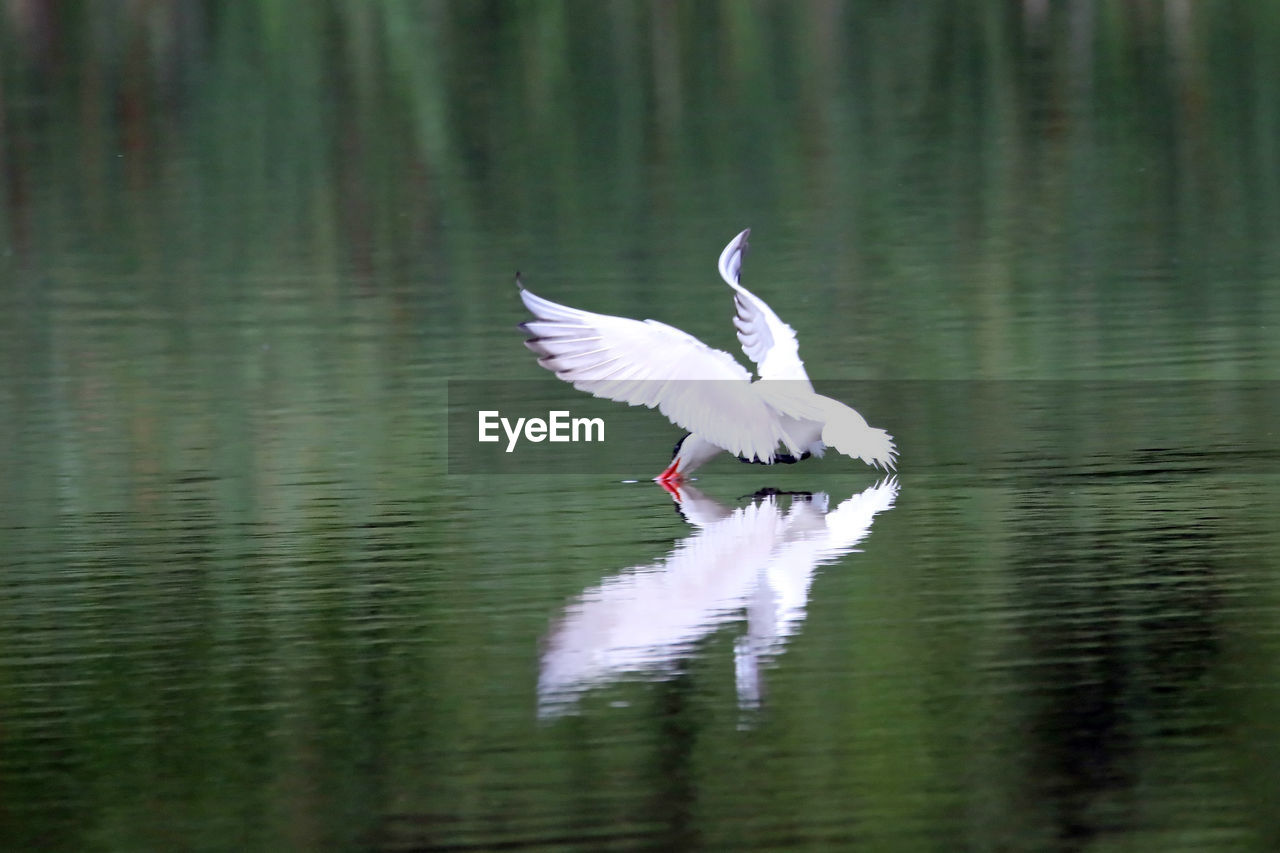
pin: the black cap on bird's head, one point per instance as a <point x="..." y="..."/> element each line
<point x="676" y="450"/>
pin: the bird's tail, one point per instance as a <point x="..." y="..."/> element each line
<point x="848" y="432"/>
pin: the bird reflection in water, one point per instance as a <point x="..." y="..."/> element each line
<point x="759" y="558"/>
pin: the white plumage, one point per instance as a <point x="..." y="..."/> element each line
<point x="776" y="418"/>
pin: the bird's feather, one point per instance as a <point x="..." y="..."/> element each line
<point x="766" y="340"/>
<point x="648" y="363"/>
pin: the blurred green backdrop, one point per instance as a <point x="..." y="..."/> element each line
<point x="244" y="245"/>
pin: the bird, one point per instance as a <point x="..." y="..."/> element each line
<point x="776" y="417"/>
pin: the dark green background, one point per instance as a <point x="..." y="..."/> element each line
<point x="244" y="246"/>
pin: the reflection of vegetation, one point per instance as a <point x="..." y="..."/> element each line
<point x="244" y="242"/>
<point x="1011" y="181"/>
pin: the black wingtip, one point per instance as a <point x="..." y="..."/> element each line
<point x="519" y="283"/>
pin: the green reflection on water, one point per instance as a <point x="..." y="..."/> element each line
<point x="244" y="246"/>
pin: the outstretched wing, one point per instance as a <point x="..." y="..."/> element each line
<point x="652" y="364"/>
<point x="766" y="340"/>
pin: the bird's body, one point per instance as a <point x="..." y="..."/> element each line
<point x="775" y="418"/>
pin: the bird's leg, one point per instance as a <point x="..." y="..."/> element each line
<point x="784" y="458"/>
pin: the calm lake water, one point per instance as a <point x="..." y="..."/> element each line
<point x="252" y="597"/>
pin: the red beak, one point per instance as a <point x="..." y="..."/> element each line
<point x="670" y="479"/>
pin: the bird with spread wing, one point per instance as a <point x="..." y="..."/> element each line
<point x="777" y="417"/>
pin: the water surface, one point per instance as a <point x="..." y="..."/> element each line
<point x="247" y="602"/>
